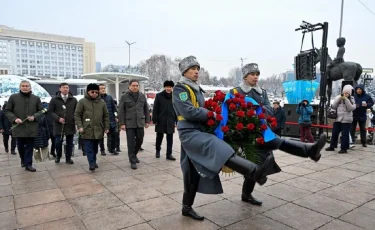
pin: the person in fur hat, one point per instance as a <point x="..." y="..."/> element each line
<point x="92" y="127"/>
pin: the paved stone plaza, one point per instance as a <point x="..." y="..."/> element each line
<point x="336" y="193"/>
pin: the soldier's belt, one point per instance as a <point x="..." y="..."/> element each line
<point x="180" y="118"/>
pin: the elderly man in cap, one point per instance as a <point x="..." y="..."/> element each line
<point x="92" y="120"/>
<point x="203" y="154"/>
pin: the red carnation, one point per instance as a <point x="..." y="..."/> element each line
<point x="229" y="101"/>
<point x="218" y="92"/>
<point x="260" y="140"/>
<point x="249" y="105"/>
<point x="240" y="114"/>
<point x="209" y="102"/>
<point x="250" y="126"/>
<point x="269" y="119"/>
<point x="214" y="105"/>
<point x="232" y="107"/>
<point x="218" y="110"/>
<point x="274" y="124"/>
<point x="236" y="100"/>
<point x="263" y="127"/>
<point x="243" y="105"/>
<point x="222" y="97"/>
<point x="219" y="117"/>
<point x="261" y="116"/>
<point x="239" y="126"/>
<point x="206" y="104"/>
<point x="210" y="122"/>
<point x="237" y="95"/>
<point x="225" y="129"/>
<point x="250" y="113"/>
<point x="216" y="98"/>
<point x="210" y="114"/>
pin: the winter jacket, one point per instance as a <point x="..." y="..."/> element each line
<point x="344" y="109"/>
<point x="57" y="111"/>
<point x="279" y="114"/>
<point x="163" y="114"/>
<point x="5" y="123"/>
<point x="21" y="106"/>
<point x="133" y="113"/>
<point x="112" y="109"/>
<point x="92" y="115"/>
<point x="360" y="112"/>
<point x="305" y="112"/>
<point x="41" y="141"/>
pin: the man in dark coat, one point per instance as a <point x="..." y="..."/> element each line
<point x="5" y="130"/>
<point x="50" y="122"/>
<point x="112" y="110"/>
<point x="91" y="117"/>
<point x="363" y="102"/>
<point x="61" y="109"/>
<point x="203" y="154"/>
<point x="279" y="114"/>
<point x="164" y="118"/>
<point x="23" y="110"/>
<point x="134" y="116"/>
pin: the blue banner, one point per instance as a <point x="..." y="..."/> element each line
<point x="296" y="91"/>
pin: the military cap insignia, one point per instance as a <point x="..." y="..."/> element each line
<point x="183" y="96"/>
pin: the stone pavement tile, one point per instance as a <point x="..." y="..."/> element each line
<point x="122" y="164"/>
<point x="170" y="186"/>
<point x="154" y="177"/>
<point x="155" y="208"/>
<point x="364" y="162"/>
<point x="285" y="192"/>
<point x="269" y="202"/>
<point x="225" y="212"/>
<point x="281" y="176"/>
<point x="6" y="190"/>
<point x="370" y="205"/>
<point x="83" y="190"/>
<point x="84" y="162"/>
<point x="348" y="195"/>
<point x="8" y="220"/>
<point x="258" y="222"/>
<point x="113" y="218"/>
<point x="6" y="203"/>
<point x="5" y="180"/>
<point x="93" y="203"/>
<point x="34" y="186"/>
<point x="296" y="170"/>
<point x="368" y="178"/>
<point x="113" y="158"/>
<point x="179" y="221"/>
<point x="152" y="159"/>
<point x="325" y="205"/>
<point x="339" y="225"/>
<point x="141" y="170"/>
<point x="102" y="167"/>
<point x="313" y="166"/>
<point x="72" y="223"/>
<point x="136" y="193"/>
<point x="163" y="165"/>
<point x="66" y="172"/>
<point x="328" y="178"/>
<point x="200" y="199"/>
<point x="4" y="171"/>
<point x="176" y="172"/>
<point x="343" y="172"/>
<point x="30" y="176"/>
<point x="68" y="181"/>
<point x="231" y="189"/>
<point x="291" y="160"/>
<point x="121" y="184"/>
<point x="307" y="184"/>
<point x="36" y="198"/>
<point x="333" y="162"/>
<point x="4" y="164"/>
<point x="43" y="213"/>
<point x="362" y="217"/>
<point x="143" y="226"/>
<point x="358" y="167"/>
<point x="360" y="185"/>
<point x="297" y="217"/>
<point x="109" y="174"/>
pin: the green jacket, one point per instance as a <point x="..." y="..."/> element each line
<point x="92" y="116"/>
<point x="21" y="106"/>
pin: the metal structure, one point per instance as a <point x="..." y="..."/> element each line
<point x="306" y="27"/>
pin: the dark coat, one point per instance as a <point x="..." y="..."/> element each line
<point x="133" y="113"/>
<point x="5" y="123"/>
<point x="360" y="112"/>
<point x="112" y="109"/>
<point x="41" y="141"/>
<point x="56" y="111"/>
<point x="50" y="122"/>
<point x="92" y="116"/>
<point x="163" y="115"/>
<point x="21" y="106"/>
<point x="279" y="114"/>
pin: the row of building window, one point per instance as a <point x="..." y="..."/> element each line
<point x="47" y="46"/>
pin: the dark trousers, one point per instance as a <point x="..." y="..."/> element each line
<point x="13" y="142"/>
<point x="159" y="140"/>
<point x="91" y="149"/>
<point x="25" y="147"/>
<point x="305" y="132"/>
<point x="132" y="134"/>
<point x="191" y="190"/>
<point x="277" y="131"/>
<point x="362" y="129"/>
<point x="247" y="187"/>
<point x="117" y="140"/>
<point x="69" y="146"/>
<point x="111" y="141"/>
<point x="53" y="146"/>
<point x="342" y="128"/>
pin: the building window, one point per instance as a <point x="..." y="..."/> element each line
<point x="24" y="60"/>
<point x="46" y="57"/>
<point x="39" y="52"/>
<point x="40" y="67"/>
<point x="38" y="44"/>
<point x="24" y="50"/>
<point x="25" y="66"/>
<point x="25" y="71"/>
<point x="61" y="54"/>
<point x="39" y="62"/>
<point x="40" y="57"/>
<point x="32" y="61"/>
<point x="46" y="45"/>
<point x="32" y="56"/>
<point x="46" y="52"/>
<point x="46" y="62"/>
<point x="40" y="72"/>
<point x="31" y="51"/>
<point x="32" y="66"/>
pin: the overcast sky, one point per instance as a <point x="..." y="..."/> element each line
<point x="217" y="32"/>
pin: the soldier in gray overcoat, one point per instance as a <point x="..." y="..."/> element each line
<point x="203" y="154"/>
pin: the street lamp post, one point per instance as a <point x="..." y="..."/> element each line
<point x="242" y="59"/>
<point x="342" y="13"/>
<point x="129" y="44"/>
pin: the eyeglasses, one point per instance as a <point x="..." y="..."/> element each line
<point x="134" y="85"/>
<point x="94" y="92"/>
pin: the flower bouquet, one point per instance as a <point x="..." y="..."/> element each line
<point x="16" y="125"/>
<point x="241" y="122"/>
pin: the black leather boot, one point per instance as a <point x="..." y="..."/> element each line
<point x="157" y="155"/>
<point x="187" y="202"/>
<point x="247" y="189"/>
<point x="249" y="169"/>
<point x="301" y="149"/>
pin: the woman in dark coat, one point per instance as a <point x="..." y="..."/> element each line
<point x="5" y="126"/>
<point x="41" y="141"/>
<point x="165" y="119"/>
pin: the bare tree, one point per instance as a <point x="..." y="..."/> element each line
<point x="235" y="76"/>
<point x="272" y="84"/>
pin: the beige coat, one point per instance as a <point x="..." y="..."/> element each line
<point x="344" y="109"/>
